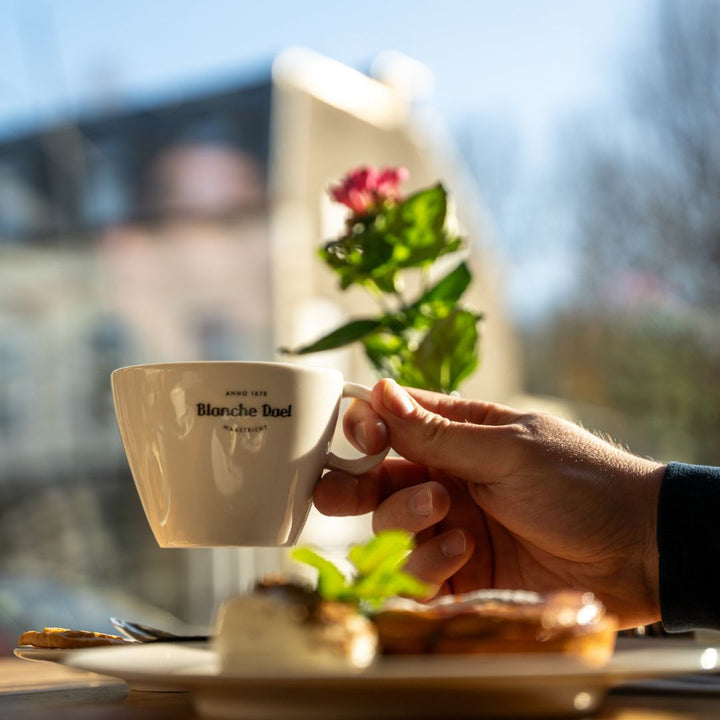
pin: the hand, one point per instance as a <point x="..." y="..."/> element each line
<point x="498" y="498"/>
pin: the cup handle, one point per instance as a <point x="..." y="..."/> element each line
<point x="355" y="466"/>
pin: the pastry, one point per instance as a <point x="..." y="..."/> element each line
<point x="499" y="621"/>
<point x="64" y="638"/>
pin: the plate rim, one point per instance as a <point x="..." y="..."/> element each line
<point x="194" y="666"/>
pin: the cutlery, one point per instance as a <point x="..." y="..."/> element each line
<point x="145" y="633"/>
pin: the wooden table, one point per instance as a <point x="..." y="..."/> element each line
<point x="46" y="691"/>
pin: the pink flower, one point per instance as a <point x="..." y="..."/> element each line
<point x="389" y="180"/>
<point x="366" y="188"/>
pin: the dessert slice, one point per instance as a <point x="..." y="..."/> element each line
<point x="499" y="621"/>
<point x="285" y="625"/>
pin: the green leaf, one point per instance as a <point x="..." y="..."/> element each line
<point x="363" y="254"/>
<point x="426" y="208"/>
<point x="386" y="351"/>
<point x="332" y="584"/>
<point x="447" y="354"/>
<point x="391" y="546"/>
<point x="380" y="586"/>
<point x="349" y="333"/>
<point x="449" y="289"/>
<point x="416" y="228"/>
<point x="407" y="585"/>
<point x="382" y="343"/>
<point x="378" y="571"/>
<point x="385" y="280"/>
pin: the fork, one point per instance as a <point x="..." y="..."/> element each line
<point x="145" y="633"/>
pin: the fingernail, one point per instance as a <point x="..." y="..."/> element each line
<point x="421" y="502"/>
<point x="382" y="432"/>
<point x="360" y="436"/>
<point x="396" y="400"/>
<point x="453" y="544"/>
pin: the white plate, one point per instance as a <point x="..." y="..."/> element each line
<point x="62" y="655"/>
<point x="27" y="652"/>
<point x="418" y="687"/>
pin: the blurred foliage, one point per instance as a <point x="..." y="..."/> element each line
<point x="646" y="185"/>
<point x="648" y="379"/>
<point x="637" y="351"/>
<point x="377" y="571"/>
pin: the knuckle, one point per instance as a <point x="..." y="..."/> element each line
<point x="530" y="428"/>
<point x="524" y="438"/>
<point x="433" y="429"/>
<point x="532" y="423"/>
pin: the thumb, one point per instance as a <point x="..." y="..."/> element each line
<point x="429" y="438"/>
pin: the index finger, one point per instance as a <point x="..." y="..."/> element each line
<point x="458" y="409"/>
<point x="367" y="431"/>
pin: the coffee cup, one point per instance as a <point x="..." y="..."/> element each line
<point x="227" y="453"/>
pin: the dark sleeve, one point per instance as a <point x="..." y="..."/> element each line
<point x="689" y="546"/>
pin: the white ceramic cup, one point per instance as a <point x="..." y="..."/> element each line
<point x="227" y="453"/>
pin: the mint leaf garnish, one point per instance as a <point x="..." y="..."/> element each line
<point x="377" y="571"/>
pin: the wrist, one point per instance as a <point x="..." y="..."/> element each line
<point x="653" y="479"/>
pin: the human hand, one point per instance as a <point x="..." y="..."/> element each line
<point x="498" y="498"/>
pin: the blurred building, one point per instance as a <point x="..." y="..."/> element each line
<point x="187" y="230"/>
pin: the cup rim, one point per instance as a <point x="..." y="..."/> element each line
<point x="177" y="364"/>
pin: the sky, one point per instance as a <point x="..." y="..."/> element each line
<point x="528" y="60"/>
<point x="524" y="64"/>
